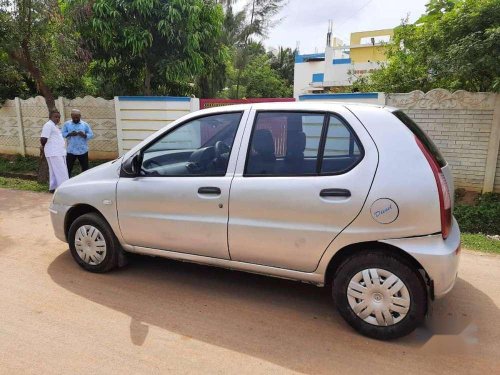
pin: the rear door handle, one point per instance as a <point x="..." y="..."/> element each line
<point x="209" y="190"/>
<point x="335" y="193"/>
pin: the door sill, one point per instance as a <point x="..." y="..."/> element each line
<point x="307" y="277"/>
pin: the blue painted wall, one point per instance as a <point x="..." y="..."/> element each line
<point x="347" y="95"/>
<point x="155" y="98"/>
<point x="341" y="61"/>
<point x="318" y="77"/>
<point x="304" y="58"/>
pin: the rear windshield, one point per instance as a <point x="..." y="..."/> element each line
<point x="420" y="134"/>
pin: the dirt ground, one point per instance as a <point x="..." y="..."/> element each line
<point x="160" y="316"/>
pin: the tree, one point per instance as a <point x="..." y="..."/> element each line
<point x="455" y="45"/>
<point x="152" y="46"/>
<point x="261" y="81"/>
<point x="24" y="29"/>
<point x="34" y="37"/>
<point x="12" y="80"/>
<point x="283" y="62"/>
<point x="243" y="29"/>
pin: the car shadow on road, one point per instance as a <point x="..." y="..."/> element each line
<point x="291" y="324"/>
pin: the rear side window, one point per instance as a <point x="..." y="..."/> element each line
<point x="342" y="148"/>
<point x="420" y="134"/>
<point x="301" y="144"/>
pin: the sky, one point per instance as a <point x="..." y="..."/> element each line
<point x="306" y="21"/>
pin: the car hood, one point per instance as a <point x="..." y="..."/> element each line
<point x="111" y="169"/>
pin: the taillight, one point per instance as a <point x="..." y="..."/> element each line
<point x="444" y="192"/>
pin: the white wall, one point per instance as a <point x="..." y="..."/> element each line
<point x="303" y="75"/>
<point x="334" y="74"/>
<point x="137" y="117"/>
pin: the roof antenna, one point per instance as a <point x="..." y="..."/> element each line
<point x="329" y="34"/>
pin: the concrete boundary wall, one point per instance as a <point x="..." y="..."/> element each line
<point x="465" y="126"/>
<point x="21" y="123"/>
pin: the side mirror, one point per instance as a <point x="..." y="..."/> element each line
<point x="132" y="166"/>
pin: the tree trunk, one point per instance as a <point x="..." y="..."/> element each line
<point x="238" y="84"/>
<point x="43" y="169"/>
<point x="23" y="58"/>
<point x="147" y="81"/>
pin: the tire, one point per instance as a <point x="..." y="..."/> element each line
<point x="384" y="277"/>
<point x="105" y="250"/>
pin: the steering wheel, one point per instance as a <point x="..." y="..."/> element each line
<point x="151" y="164"/>
<point x="220" y="148"/>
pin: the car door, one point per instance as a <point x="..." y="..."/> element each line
<point x="179" y="201"/>
<point x="301" y="178"/>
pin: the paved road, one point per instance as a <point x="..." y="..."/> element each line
<point x="159" y="316"/>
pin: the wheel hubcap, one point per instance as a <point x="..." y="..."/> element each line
<point x="378" y="297"/>
<point x="90" y="245"/>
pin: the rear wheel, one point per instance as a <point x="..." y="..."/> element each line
<point x="380" y="295"/>
<point x="93" y="244"/>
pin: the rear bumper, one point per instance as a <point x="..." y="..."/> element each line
<point x="57" y="216"/>
<point x="439" y="257"/>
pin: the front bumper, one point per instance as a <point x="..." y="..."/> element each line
<point x="438" y="257"/>
<point x="57" y="216"/>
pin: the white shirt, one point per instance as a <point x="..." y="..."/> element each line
<point x="55" y="142"/>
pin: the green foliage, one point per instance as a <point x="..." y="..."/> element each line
<point x="12" y="81"/>
<point x="482" y="217"/>
<point x="38" y="49"/>
<point x="283" y="62"/>
<point x="132" y="47"/>
<point x="262" y="81"/>
<point x="241" y="31"/>
<point x="455" y="45"/>
<point x="151" y="46"/>
<point x="480" y="242"/>
<point x="265" y="75"/>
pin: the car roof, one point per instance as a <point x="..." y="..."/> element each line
<point x="305" y="105"/>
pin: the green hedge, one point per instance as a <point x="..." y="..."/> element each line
<point x="482" y="217"/>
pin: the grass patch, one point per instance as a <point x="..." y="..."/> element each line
<point x="479" y="242"/>
<point x="20" y="184"/>
<point x="29" y="165"/>
<point x="18" y="164"/>
<point x="482" y="216"/>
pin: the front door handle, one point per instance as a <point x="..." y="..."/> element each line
<point x="335" y="193"/>
<point x="209" y="190"/>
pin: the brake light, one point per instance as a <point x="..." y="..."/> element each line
<point x="443" y="191"/>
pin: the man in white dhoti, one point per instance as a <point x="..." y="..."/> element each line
<point x="54" y="150"/>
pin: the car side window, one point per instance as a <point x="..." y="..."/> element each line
<point x="342" y="148"/>
<point x="284" y="144"/>
<point x="200" y="147"/>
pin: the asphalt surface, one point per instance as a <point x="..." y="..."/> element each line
<point x="161" y="316"/>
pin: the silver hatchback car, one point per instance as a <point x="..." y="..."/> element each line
<point x="353" y="197"/>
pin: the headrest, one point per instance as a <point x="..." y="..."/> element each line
<point x="263" y="142"/>
<point x="295" y="145"/>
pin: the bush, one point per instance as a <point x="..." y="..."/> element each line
<point x="482" y="217"/>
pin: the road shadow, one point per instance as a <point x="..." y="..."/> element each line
<point x="290" y="324"/>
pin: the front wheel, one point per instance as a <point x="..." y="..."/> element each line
<point x="93" y="244"/>
<point x="380" y="295"/>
